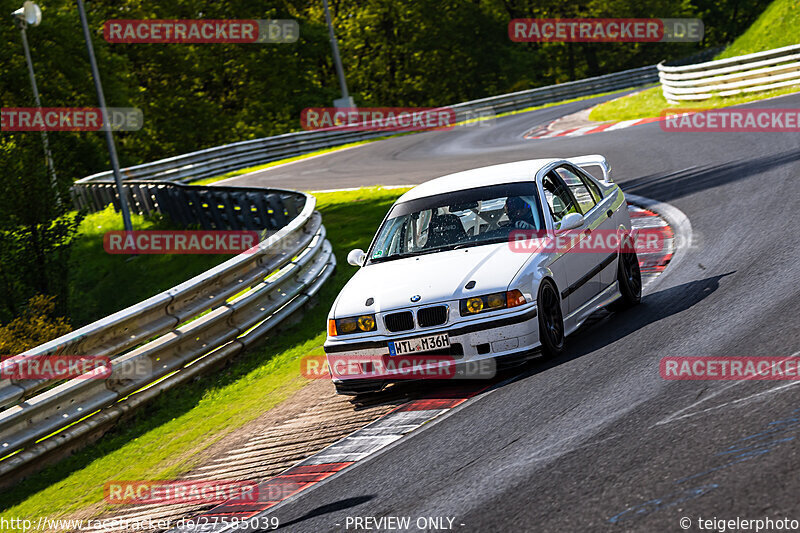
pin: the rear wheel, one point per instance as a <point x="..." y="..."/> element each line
<point x="629" y="277"/>
<point x="551" y="322"/>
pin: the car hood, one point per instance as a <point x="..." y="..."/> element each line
<point x="435" y="278"/>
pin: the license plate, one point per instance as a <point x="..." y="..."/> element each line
<point x="420" y="344"/>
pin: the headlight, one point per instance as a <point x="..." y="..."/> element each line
<point x="473" y="305"/>
<point x="355" y="324"/>
<point x="491" y="302"/>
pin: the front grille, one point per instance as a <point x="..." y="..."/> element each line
<point x="432" y="316"/>
<point x="399" y="321"/>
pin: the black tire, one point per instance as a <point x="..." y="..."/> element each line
<point x="629" y="277"/>
<point x="551" y="321"/>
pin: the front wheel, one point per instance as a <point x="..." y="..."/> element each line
<point x="551" y="322"/>
<point x="629" y="277"/>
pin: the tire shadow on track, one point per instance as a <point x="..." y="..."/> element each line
<point x="605" y="327"/>
<point x="600" y="330"/>
<point x="332" y="507"/>
<point x="671" y="185"/>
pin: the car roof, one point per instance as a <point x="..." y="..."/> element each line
<point x="478" y="177"/>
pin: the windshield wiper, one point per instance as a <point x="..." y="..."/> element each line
<point x="480" y="243"/>
<point x="412" y="254"/>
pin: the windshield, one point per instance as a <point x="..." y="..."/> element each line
<point x="461" y="219"/>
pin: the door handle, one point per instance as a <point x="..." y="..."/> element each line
<point x="610" y="213"/>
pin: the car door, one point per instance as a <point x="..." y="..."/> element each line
<point x="605" y="217"/>
<point x="595" y="257"/>
<point x="561" y="202"/>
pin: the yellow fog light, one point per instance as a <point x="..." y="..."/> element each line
<point x="355" y="324"/>
<point x="485" y="303"/>
<point x="366" y="323"/>
<point x="474" y="305"/>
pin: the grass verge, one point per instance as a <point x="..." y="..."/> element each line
<point x="777" y="26"/>
<point x="163" y="440"/>
<point x="101" y="283"/>
<point x="651" y="103"/>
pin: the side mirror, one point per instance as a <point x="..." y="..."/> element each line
<point x="356" y="257"/>
<point x="571" y="221"/>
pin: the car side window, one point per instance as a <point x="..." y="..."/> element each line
<point x="597" y="194"/>
<point x="577" y="185"/>
<point x="594" y="189"/>
<point x="559" y="199"/>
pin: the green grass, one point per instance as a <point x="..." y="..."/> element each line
<point x="651" y="103"/>
<point x="162" y="441"/>
<point x="101" y="283"/>
<point x="777" y="26"/>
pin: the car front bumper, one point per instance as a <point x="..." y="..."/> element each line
<point x="477" y="348"/>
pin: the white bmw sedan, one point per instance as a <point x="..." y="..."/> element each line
<point x="486" y="265"/>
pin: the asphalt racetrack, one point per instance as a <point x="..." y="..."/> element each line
<point x="596" y="440"/>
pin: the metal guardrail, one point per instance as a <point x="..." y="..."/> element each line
<point x="236" y="156"/>
<point x="495" y="105"/>
<point x="210" y="208"/>
<point x="172" y="336"/>
<point x="749" y="73"/>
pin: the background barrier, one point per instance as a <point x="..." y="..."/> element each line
<point x="211" y="208"/>
<point x="749" y="73"/>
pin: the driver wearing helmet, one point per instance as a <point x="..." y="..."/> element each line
<point x="519" y="214"/>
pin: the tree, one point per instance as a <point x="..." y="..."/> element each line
<point x="35" y="230"/>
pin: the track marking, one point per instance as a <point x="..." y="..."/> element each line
<point x="675" y="416"/>
<point x="678" y="223"/>
<point x="580" y="131"/>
